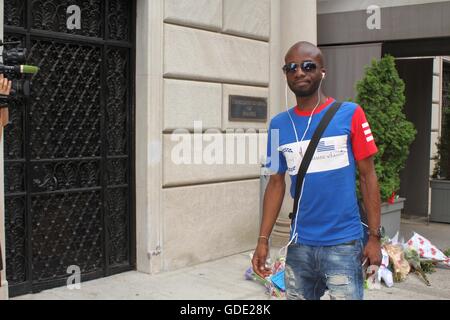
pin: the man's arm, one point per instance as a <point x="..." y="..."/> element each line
<point x="371" y="197"/>
<point x="273" y="199"/>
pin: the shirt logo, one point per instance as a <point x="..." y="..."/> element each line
<point x="367" y="132"/>
<point x="331" y="154"/>
<point x="322" y="147"/>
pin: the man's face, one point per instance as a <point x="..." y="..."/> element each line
<point x="303" y="83"/>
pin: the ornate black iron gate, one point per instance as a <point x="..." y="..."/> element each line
<point x="69" y="184"/>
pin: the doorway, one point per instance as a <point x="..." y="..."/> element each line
<point x="418" y="77"/>
<point x="69" y="180"/>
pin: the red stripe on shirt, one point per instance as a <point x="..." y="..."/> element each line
<point x="363" y="142"/>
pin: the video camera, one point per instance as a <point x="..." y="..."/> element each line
<point x="15" y="69"/>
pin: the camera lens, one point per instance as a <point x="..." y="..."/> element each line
<point x="20" y="88"/>
<point x="14" y="56"/>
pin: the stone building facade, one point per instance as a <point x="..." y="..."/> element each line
<point x="187" y="58"/>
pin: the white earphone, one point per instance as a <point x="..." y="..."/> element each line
<point x="294" y="233"/>
<point x="312" y="113"/>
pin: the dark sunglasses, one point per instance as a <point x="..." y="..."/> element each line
<point x="306" y="66"/>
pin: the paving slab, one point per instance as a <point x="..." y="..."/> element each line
<point x="223" y="279"/>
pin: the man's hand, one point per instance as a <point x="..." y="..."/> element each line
<point x="371" y="196"/>
<point x="372" y="251"/>
<point x="259" y="259"/>
<point x="273" y="198"/>
<point x="5" y="86"/>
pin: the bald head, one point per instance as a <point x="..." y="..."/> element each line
<point x="306" y="49"/>
<point x="305" y="82"/>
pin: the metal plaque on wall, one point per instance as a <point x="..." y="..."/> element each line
<point x="248" y="109"/>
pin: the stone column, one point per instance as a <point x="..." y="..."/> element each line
<point x="298" y="22"/>
<point x="149" y="97"/>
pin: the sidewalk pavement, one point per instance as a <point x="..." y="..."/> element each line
<point x="224" y="279"/>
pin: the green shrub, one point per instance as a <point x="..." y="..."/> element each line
<point x="381" y="94"/>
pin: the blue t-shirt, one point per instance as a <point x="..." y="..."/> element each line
<point x="328" y="212"/>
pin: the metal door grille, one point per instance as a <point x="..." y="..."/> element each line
<point x="68" y="149"/>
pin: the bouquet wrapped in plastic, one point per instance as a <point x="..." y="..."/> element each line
<point x="274" y="283"/>
<point x="426" y="250"/>
<point x="400" y="264"/>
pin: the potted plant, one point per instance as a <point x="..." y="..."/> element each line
<point x="381" y="94"/>
<point x="440" y="183"/>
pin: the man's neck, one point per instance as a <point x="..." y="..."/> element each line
<point x="309" y="103"/>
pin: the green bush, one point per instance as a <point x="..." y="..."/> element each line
<point x="381" y="94"/>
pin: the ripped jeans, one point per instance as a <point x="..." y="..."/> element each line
<point x="311" y="270"/>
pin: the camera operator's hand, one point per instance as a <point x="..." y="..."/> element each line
<point x="5" y="86"/>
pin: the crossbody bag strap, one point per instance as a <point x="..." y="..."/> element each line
<point x="310" y="152"/>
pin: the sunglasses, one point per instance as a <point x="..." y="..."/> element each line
<point x="306" y="66"/>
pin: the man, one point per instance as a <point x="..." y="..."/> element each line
<point x="326" y="250"/>
<point x="5" y="88"/>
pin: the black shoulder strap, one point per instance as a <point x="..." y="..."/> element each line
<point x="310" y="152"/>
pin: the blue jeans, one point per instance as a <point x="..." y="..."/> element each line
<point x="311" y="270"/>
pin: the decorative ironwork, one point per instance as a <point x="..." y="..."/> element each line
<point x="14" y="131"/>
<point x="66" y="231"/>
<point x="67" y="161"/>
<point x="116" y="126"/>
<point x="52" y="176"/>
<point x="116" y="171"/>
<point x="117" y="217"/>
<point x="15" y="240"/>
<point x="116" y="115"/>
<point x="14" y="12"/>
<point x="14" y="135"/>
<point x="14" y="168"/>
<point x="65" y="112"/>
<point x="15" y="179"/>
<point x="52" y="15"/>
<point x="118" y="19"/>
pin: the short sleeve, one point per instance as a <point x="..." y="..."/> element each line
<point x="363" y="142"/>
<point x="276" y="162"/>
